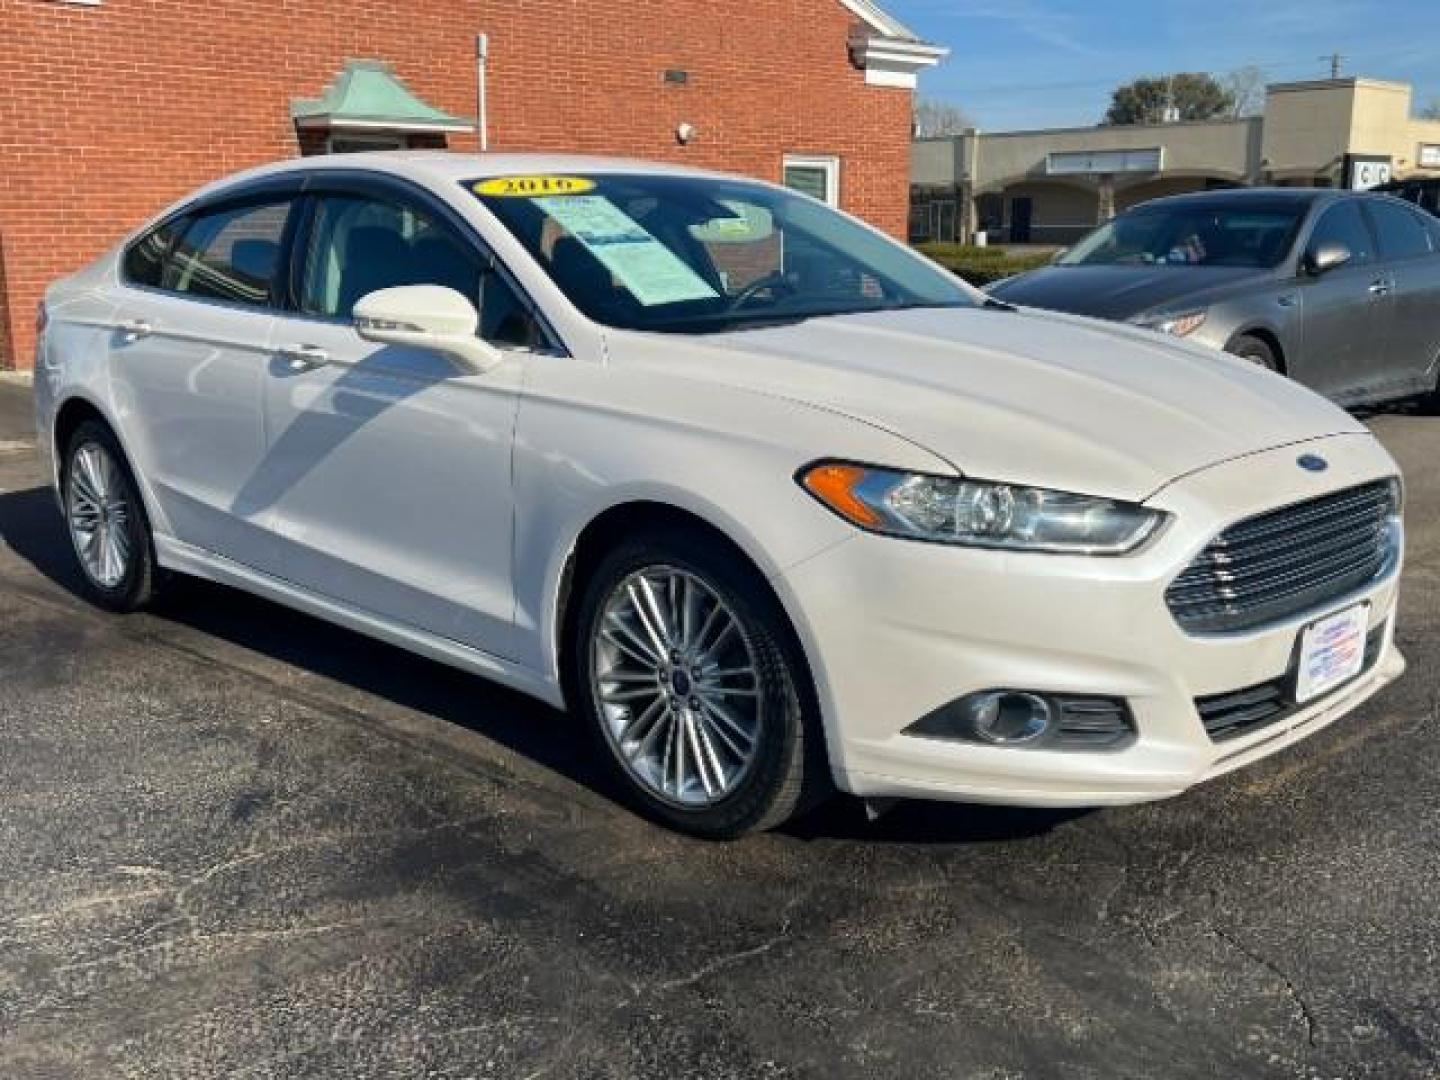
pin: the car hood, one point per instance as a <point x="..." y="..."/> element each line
<point x="1122" y="292"/>
<point x="1027" y="397"/>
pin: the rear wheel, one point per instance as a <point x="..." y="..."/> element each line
<point x="1257" y="351"/>
<point x="106" y="520"/>
<point x="687" y="671"/>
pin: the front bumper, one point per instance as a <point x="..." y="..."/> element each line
<point x="895" y="629"/>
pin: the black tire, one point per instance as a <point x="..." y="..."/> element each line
<point x="788" y="772"/>
<point x="135" y="588"/>
<point x="1257" y="351"/>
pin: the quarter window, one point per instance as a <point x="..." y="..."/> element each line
<point x="231" y="254"/>
<point x="358" y="246"/>
<point x="1402" y="233"/>
<point x="1344" y="224"/>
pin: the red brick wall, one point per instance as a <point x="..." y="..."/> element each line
<point x="107" y="113"/>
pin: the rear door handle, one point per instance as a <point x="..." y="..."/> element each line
<point x="304" y="357"/>
<point x="134" y="329"/>
<point x="1380" y="288"/>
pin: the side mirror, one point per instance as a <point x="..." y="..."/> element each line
<point x="426" y="317"/>
<point x="1326" y="258"/>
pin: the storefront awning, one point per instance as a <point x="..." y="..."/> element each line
<point x="368" y="96"/>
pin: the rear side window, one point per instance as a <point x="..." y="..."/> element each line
<point x="1432" y="228"/>
<point x="1402" y="232"/>
<point x="231" y="254"/>
<point x="145" y="258"/>
<point x="1344" y="224"/>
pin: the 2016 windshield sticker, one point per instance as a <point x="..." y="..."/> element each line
<point x="532" y="187"/>
<point x="651" y="271"/>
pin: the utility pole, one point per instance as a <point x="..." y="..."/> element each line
<point x="1334" y="60"/>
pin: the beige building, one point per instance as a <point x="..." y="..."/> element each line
<point x="1050" y="187"/>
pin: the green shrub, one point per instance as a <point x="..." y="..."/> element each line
<point x="982" y="265"/>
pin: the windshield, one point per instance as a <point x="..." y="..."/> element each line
<point x="1193" y="234"/>
<point x="690" y="255"/>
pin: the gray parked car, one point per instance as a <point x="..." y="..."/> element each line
<point x="1339" y="290"/>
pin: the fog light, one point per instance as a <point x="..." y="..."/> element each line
<point x="1031" y="720"/>
<point x="1006" y="717"/>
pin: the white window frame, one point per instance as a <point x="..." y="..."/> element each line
<point x="827" y="163"/>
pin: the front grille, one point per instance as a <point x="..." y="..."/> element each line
<point x="1239" y="712"/>
<point x="1287" y="561"/>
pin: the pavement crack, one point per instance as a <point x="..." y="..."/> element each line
<point x="1292" y="990"/>
<point x="723" y="962"/>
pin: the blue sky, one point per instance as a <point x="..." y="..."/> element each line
<point x="1044" y="63"/>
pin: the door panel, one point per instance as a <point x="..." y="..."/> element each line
<point x="1413" y="267"/>
<point x="189" y="392"/>
<point x="1346" y="311"/>
<point x="386" y="479"/>
<point x="386" y="482"/>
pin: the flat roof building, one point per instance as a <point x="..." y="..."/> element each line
<point x="1051" y="187"/>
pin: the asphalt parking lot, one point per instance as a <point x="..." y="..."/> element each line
<point x="237" y="842"/>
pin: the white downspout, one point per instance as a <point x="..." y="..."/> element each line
<point x="482" y="57"/>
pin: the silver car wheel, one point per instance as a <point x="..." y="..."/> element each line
<point x="99" y="515"/>
<point x="677" y="686"/>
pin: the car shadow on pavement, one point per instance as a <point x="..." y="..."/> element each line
<point x="31" y="526"/>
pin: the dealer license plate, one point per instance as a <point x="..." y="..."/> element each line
<point x="1332" y="652"/>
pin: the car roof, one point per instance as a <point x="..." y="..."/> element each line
<point x="445" y="165"/>
<point x="1267" y="196"/>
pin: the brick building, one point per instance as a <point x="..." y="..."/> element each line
<point x="110" y="109"/>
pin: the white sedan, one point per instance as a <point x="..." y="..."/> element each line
<point x="772" y="503"/>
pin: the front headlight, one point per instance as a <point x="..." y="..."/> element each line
<point x="975" y="513"/>
<point x="1175" y="325"/>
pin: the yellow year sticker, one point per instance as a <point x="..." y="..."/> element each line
<point x="531" y="187"/>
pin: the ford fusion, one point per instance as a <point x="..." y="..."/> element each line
<point x="771" y="504"/>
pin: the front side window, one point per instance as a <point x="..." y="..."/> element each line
<point x="1402" y="233"/>
<point x="689" y="254"/>
<point x="1256" y="235"/>
<point x="231" y="254"/>
<point x="360" y="245"/>
<point x="1344" y="224"/>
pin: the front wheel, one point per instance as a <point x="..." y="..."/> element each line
<point x="1257" y="351"/>
<point x="106" y="520"/>
<point x="690" y="677"/>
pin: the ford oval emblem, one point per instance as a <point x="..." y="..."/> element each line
<point x="1312" y="463"/>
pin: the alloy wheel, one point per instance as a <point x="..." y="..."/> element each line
<point x="676" y="682"/>
<point x="98" y="512"/>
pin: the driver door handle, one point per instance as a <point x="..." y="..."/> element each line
<point x="303" y="357"/>
<point x="134" y="329"/>
<point x="1380" y="287"/>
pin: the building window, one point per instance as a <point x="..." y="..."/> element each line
<point x="818" y="177"/>
<point x="359" y="144"/>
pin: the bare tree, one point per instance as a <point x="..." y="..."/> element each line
<point x="1431" y="111"/>
<point x="1246" y="85"/>
<point x="939" y="119"/>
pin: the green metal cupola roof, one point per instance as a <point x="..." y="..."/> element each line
<point x="368" y="96"/>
